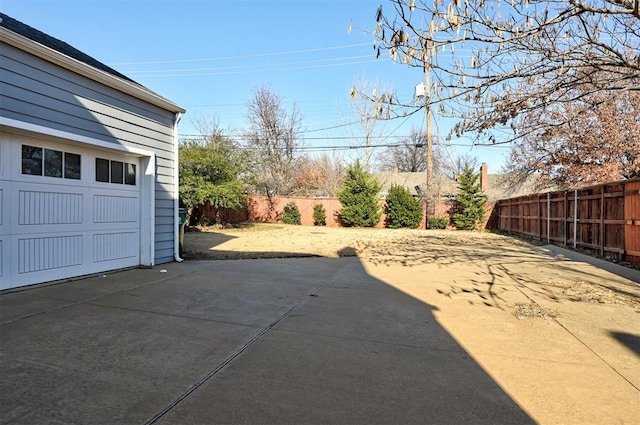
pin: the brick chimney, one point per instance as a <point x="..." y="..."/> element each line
<point x="484" y="177"/>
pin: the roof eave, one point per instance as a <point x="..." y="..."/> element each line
<point x="53" y="56"/>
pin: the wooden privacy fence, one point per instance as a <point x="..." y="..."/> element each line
<point x="602" y="219"/>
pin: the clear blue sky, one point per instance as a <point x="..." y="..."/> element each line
<point x="208" y="56"/>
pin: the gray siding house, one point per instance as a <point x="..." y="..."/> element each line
<point x="88" y="164"/>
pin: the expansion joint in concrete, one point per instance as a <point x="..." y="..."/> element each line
<point x="244" y="347"/>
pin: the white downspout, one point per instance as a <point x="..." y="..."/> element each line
<point x="176" y="183"/>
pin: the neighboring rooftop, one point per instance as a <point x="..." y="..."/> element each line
<point x="498" y="185"/>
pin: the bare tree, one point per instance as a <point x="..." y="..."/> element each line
<point x="319" y="176"/>
<point x="210" y="133"/>
<point x="492" y="61"/>
<point x="602" y="144"/>
<point x="410" y="155"/>
<point x="273" y="138"/>
<point x="457" y="165"/>
<point x="368" y="113"/>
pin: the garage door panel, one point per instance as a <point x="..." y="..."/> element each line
<point x="5" y="208"/>
<point x="108" y="208"/>
<point x="40" y="207"/>
<point x="37" y="254"/>
<point x="115" y="246"/>
<point x="36" y="259"/>
<point x="4" y="263"/>
<point x="4" y="220"/>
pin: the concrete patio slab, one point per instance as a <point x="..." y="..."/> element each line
<point x="423" y="339"/>
<point x="301" y="378"/>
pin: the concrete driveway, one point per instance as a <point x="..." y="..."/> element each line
<point x="313" y="340"/>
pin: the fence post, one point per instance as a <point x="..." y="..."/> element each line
<point x="564" y="218"/>
<point x="521" y="217"/>
<point x="602" y="233"/>
<point x="548" y="217"/>
<point x="575" y="218"/>
<point x="539" y="210"/>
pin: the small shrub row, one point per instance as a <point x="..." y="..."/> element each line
<point x="438" y="222"/>
<point x="291" y="214"/>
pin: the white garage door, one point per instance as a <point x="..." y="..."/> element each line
<point x="67" y="210"/>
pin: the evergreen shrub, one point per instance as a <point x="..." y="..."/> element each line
<point x="438" y="222"/>
<point x="291" y="214"/>
<point x="319" y="215"/>
<point x="471" y="201"/>
<point x="403" y="210"/>
<point x="359" y="198"/>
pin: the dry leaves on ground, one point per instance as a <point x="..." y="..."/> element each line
<point x="594" y="293"/>
<point x="532" y="311"/>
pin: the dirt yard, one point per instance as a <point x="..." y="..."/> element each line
<point x="266" y="240"/>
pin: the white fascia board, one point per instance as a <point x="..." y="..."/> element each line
<point x="26" y="127"/>
<point x="74" y="65"/>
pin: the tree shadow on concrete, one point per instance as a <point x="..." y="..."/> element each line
<point x="495" y="259"/>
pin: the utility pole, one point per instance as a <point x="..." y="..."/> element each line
<point x="430" y="212"/>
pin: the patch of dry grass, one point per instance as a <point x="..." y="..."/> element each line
<point x="593" y="293"/>
<point x="533" y="311"/>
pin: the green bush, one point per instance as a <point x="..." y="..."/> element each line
<point x="403" y="210"/>
<point x="359" y="198"/>
<point x="438" y="223"/>
<point x="210" y="172"/>
<point x="291" y="214"/>
<point x="319" y="215"/>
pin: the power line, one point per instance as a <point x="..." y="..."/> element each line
<point x="260" y="55"/>
<point x="257" y="70"/>
<point x="242" y="67"/>
<point x="342" y="147"/>
<point x="331" y="128"/>
<point x="239" y="137"/>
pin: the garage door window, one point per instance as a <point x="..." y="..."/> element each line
<point x="71" y="166"/>
<point x="118" y="172"/>
<point x="38" y="161"/>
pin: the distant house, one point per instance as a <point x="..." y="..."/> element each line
<point x="496" y="186"/>
<point x="88" y="164"/>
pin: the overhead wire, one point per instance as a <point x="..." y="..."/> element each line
<point x="240" y="67"/>
<point x="247" y="69"/>
<point x="271" y="67"/>
<point x="265" y="69"/>
<point x="257" y="55"/>
<point x="187" y="138"/>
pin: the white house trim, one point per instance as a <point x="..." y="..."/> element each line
<point x="176" y="183"/>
